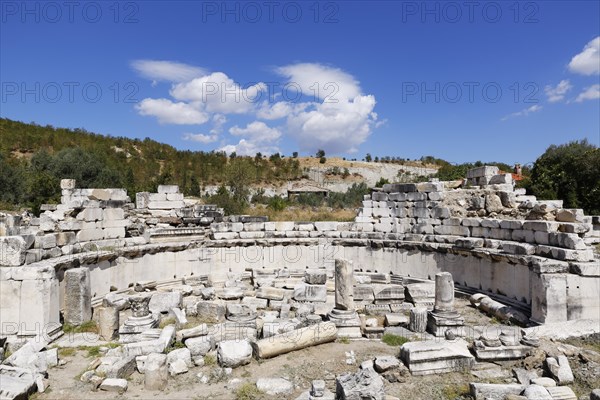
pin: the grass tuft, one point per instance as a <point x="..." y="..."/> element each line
<point x="210" y="359"/>
<point x="394" y="340"/>
<point x="89" y="326"/>
<point x="247" y="391"/>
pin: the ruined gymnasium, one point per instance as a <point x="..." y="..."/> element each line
<point x="169" y="282"/>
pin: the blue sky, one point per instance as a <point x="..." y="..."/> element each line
<point x="463" y="81"/>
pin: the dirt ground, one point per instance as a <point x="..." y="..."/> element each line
<point x="320" y="362"/>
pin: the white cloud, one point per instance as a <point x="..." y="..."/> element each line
<point x="200" y="138"/>
<point x="258" y="137"/>
<point x="589" y="93"/>
<point x="336" y="128"/>
<point x="557" y="93"/>
<point x="168" y="112"/>
<point x="258" y="131"/>
<point x="588" y="61"/>
<point x="249" y="148"/>
<point x="334" y="114"/>
<point x="524" y="113"/>
<point x="166" y="70"/>
<point x="321" y="82"/>
<point x="338" y="119"/>
<point x="219" y="94"/>
<point x="218" y="121"/>
<point x="277" y="110"/>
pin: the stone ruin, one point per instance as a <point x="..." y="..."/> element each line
<point x="141" y="270"/>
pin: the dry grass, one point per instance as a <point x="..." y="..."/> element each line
<point x="304" y="214"/>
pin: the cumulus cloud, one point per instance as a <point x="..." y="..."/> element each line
<point x="219" y="93"/>
<point x="274" y="111"/>
<point x="588" y="61"/>
<point x="258" y="131"/>
<point x="168" y="112"/>
<point x="589" y="93"/>
<point x="258" y="137"/>
<point x="332" y="112"/>
<point x="320" y="81"/>
<point x="166" y="70"/>
<point x="558" y="92"/>
<point x="524" y="113"/>
<point x="249" y="148"/>
<point x="338" y="119"/>
<point x="200" y="138"/>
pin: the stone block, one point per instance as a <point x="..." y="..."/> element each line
<point x="326" y="225"/>
<point x="88" y="235"/>
<point x="168" y="189"/>
<point x="485" y="171"/>
<point x="316" y="293"/>
<point x="212" y="311"/>
<point x="67" y="184"/>
<point x="12" y="250"/>
<point x="163" y="302"/>
<point x="315" y="276"/>
<point x="78" y="306"/>
<point x="155" y="372"/>
<point x="254" y="226"/>
<point x="493" y="391"/>
<point x="304" y="226"/>
<point x="569" y="215"/>
<point x="114" y="385"/>
<point x="201" y="345"/>
<point x="70" y="225"/>
<point x="233" y="353"/>
<point x="365" y="384"/>
<point x="275" y="386"/>
<point x="174" y="196"/>
<point x="501" y="179"/>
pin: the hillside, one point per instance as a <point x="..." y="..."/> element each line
<point x="34" y="158"/>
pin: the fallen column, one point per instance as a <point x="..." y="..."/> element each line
<point x="298" y="339"/>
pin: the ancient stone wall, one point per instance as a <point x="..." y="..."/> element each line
<point x="491" y="238"/>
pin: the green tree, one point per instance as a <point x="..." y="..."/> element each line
<point x="368" y="157"/>
<point x="569" y="172"/>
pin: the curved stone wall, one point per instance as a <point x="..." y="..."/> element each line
<point x="414" y="231"/>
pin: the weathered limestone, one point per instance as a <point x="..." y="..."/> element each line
<point x="200" y="346"/>
<point x="114" y="385"/>
<point x="344" y="285"/>
<point x="234" y="353"/>
<point x="275" y="386"/>
<point x="560" y="369"/>
<point x="315" y="276"/>
<point x="141" y="319"/>
<point x="163" y="302"/>
<point x="365" y="384"/>
<point x="421" y="294"/>
<point x="481" y="391"/>
<point x="444" y="317"/>
<point x="433" y="357"/>
<point x="107" y="319"/>
<point x="295" y="340"/>
<point x="211" y="311"/>
<point x="305" y="292"/>
<point x="344" y="315"/>
<point x="418" y="319"/>
<point x="156" y="374"/>
<point x="78" y="297"/>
